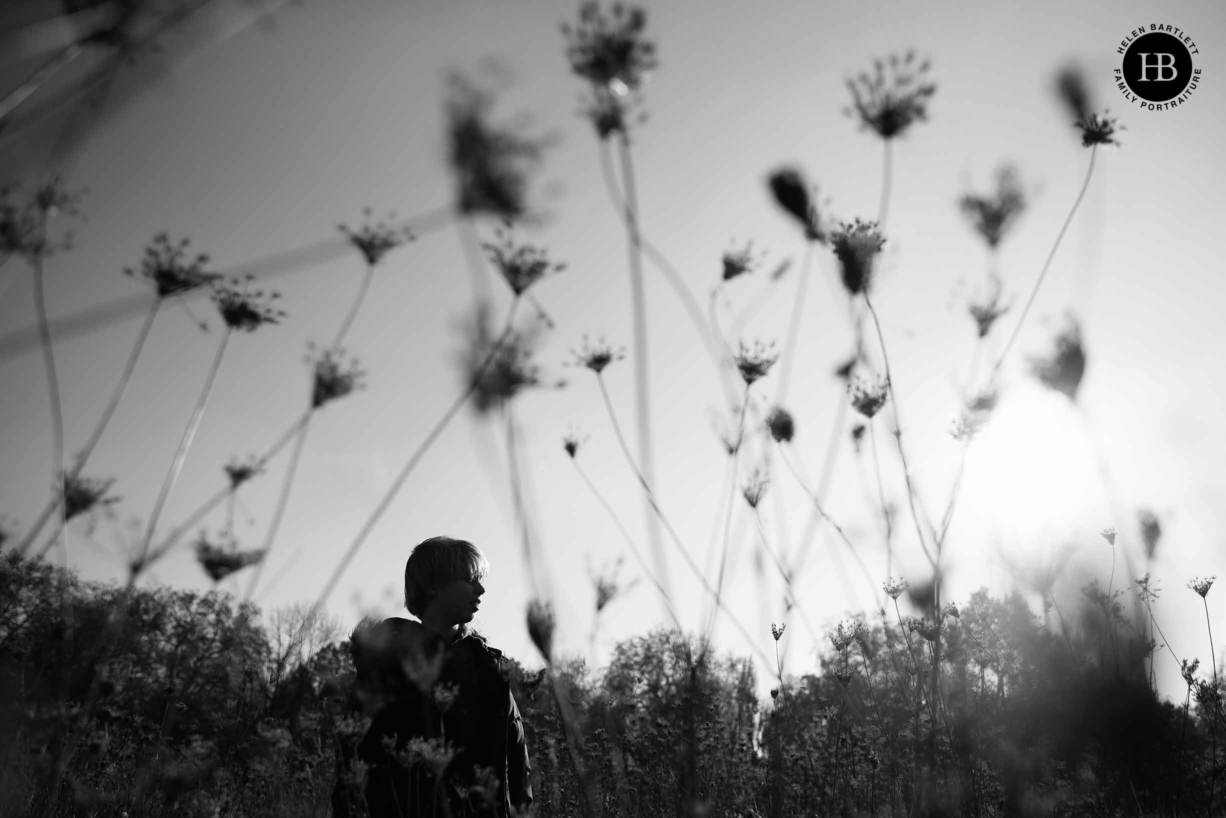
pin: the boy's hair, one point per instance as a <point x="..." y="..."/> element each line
<point x="434" y="563"/>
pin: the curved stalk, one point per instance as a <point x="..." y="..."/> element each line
<point x="53" y="380"/>
<point x="270" y="537"/>
<point x="789" y="349"/>
<point x="723" y="558"/>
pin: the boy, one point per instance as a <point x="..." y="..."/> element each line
<point x="445" y="737"/>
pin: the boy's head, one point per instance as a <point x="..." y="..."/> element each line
<point x="447" y="572"/>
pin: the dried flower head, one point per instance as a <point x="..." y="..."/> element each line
<point x="1147" y="589"/>
<point x="843" y="677"/>
<point x="23" y="225"/>
<point x="740" y="262"/>
<point x="510" y="370"/>
<point x="1098" y="129"/>
<point x="846" y="633"/>
<point x="1074" y="92"/>
<point x="1065" y="367"/>
<point x="1108" y="534"/>
<point x="1188" y="671"/>
<point x="597" y="356"/>
<point x="777" y="631"/>
<point x="893" y="97"/>
<point x="867" y="397"/>
<point x="894" y="587"/>
<point x="243" y="308"/>
<point x="986" y="312"/>
<point x="521" y="265"/>
<point x="1201" y="586"/>
<point x="374" y="240"/>
<point x="610" y="52"/>
<point x="491" y="163"/>
<point x="754" y="362"/>
<point x="84" y="494"/>
<point x="793" y="194"/>
<point x="1151" y="531"/>
<point x="755" y="487"/>
<point x="220" y="560"/>
<point x="541" y="624"/>
<point x="335" y="375"/>
<point x="170" y="271"/>
<point x="240" y="472"/>
<point x="781" y="425"/>
<point x="856" y="246"/>
<point x="991" y="215"/>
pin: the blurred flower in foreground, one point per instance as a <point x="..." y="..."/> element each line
<point x="1108" y="534"/>
<point x="1151" y="531"/>
<point x="167" y="267"/>
<point x="597" y="356"/>
<point x="611" y="113"/>
<point x="781" y="425"/>
<point x="23" y="225"/>
<point x="740" y="262"/>
<point x="857" y="435"/>
<point x="541" y="624"/>
<point x="607" y="585"/>
<point x="992" y="215"/>
<point x="572" y="442"/>
<point x="1074" y="92"/>
<point x="84" y="494"/>
<point x="754" y="362"/>
<point x="245" y="309"/>
<point x="610" y="52"/>
<point x="792" y="193"/>
<point x="221" y="560"/>
<point x="1065" y="367"/>
<point x="521" y="265"/>
<point x="985" y="313"/>
<point x="856" y="246"/>
<point x="867" y="397"/>
<point x="491" y="164"/>
<point x="975" y="415"/>
<point x="889" y="102"/>
<point x="498" y="379"/>
<point x="1201" y="586"/>
<point x="335" y="376"/>
<point x="374" y="240"/>
<point x="755" y="487"/>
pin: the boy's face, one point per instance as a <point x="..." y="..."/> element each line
<point x="456" y="602"/>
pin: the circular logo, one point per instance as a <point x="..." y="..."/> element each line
<point x="1157" y="66"/>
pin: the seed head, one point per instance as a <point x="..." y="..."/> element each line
<point x="867" y="397"/>
<point x="521" y="265"/>
<point x="612" y="113"/>
<point x="754" y="362"/>
<point x="991" y="215"/>
<point x="434" y="753"/>
<point x="509" y="372"/>
<point x="220" y="560"/>
<point x="610" y="52"/>
<point x="1099" y="129"/>
<point x="23" y="224"/>
<point x="445" y="695"/>
<point x="777" y="631"/>
<point x="856" y="246"/>
<point x="335" y="375"/>
<point x="1201" y="586"/>
<point x="1065" y="367"/>
<point x="1151" y="531"/>
<point x="792" y="193"/>
<point x="843" y="635"/>
<point x="755" y="488"/>
<point x="597" y="356"/>
<point x="1074" y="92"/>
<point x="167" y="267"/>
<point x="241" y="472"/>
<point x="84" y="494"/>
<point x="781" y="425"/>
<point x="740" y="262"/>
<point x="245" y="309"/>
<point x="374" y="240"/>
<point x="889" y="101"/>
<point x="541" y="624"/>
<point x="985" y="313"/>
<point x="1109" y="535"/>
<point x="572" y="442"/>
<point x="894" y="587"/>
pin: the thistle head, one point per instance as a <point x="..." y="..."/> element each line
<point x="754" y="362"/>
<point x="755" y="487"/>
<point x="243" y="308"/>
<point x="867" y="397"/>
<point x="521" y="265"/>
<point x="335" y="375"/>
<point x="992" y="214"/>
<point x="221" y="559"/>
<point x="792" y="193"/>
<point x="541" y="624"/>
<point x="375" y="239"/>
<point x="1201" y="586"/>
<point x="610" y="52"/>
<point x="845" y="634"/>
<point x="893" y="97"/>
<point x="781" y="425"/>
<point x="597" y="356"/>
<point x="1064" y="368"/>
<point x="856" y="246"/>
<point x="167" y="267"/>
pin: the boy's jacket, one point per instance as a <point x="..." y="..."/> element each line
<point x="405" y="674"/>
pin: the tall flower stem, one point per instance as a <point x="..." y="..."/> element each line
<point x="723" y="554"/>
<point x="415" y="458"/>
<point x="185" y="443"/>
<point x="787" y="580"/>
<point x="672" y="532"/>
<point x="1212" y="652"/>
<point x="887" y="174"/>
<point x="1046" y="265"/>
<point x="517" y="498"/>
<point x="278" y="514"/>
<point x="53" y="380"/>
<point x="83" y="457"/>
<point x="1214" y="703"/>
<point x="885" y="509"/>
<point x="798" y="306"/>
<point x="823" y="484"/>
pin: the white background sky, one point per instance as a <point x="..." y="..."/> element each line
<point x="260" y="140"/>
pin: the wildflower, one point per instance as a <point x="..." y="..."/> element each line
<point x="541" y="624"/>
<point x="1066" y="366"/>
<point x="374" y="240"/>
<point x="166" y="265"/>
<point x="1151" y="531"/>
<point x="857" y="435"/>
<point x="1074" y="92"/>
<point x="491" y="164"/>
<point x="521" y="265"/>
<point x="1147" y="589"/>
<point x="975" y="415"/>
<point x="992" y="215"/>
<point x="445" y="696"/>
<point x="777" y="630"/>
<point x="1188" y="671"/>
<point x="894" y="587"/>
<point x="844" y="678"/>
<point x="83" y="494"/>
<point x="781" y="425"/>
<point x="240" y="473"/>
<point x="985" y="313"/>
<point x="755" y="362"/>
<point x="791" y="192"/>
<point x="244" y="309"/>
<point x="843" y="635"/>
<point x="868" y="398"/>
<point x="608" y="587"/>
<point x="221" y="560"/>
<point x="335" y="377"/>
<point x="507" y="374"/>
<point x="951" y="609"/>
<point x="1108" y="534"/>
<point x="889" y="105"/>
<point x="23" y="225"/>
<point x="740" y="262"/>
<point x="435" y="753"/>
<point x="598" y="356"/>
<point x="610" y="52"/>
<point x="1098" y="129"/>
<point x="1201" y="586"/>
<point x="610" y="112"/>
<point x="572" y="441"/>
<point x="727" y="429"/>
<point x="755" y="488"/>
<point x="924" y="628"/>
<point x="856" y="246"/>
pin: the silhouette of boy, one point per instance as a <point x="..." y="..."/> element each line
<point x="445" y="737"/>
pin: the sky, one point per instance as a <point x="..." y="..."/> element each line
<point x="253" y="137"/>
